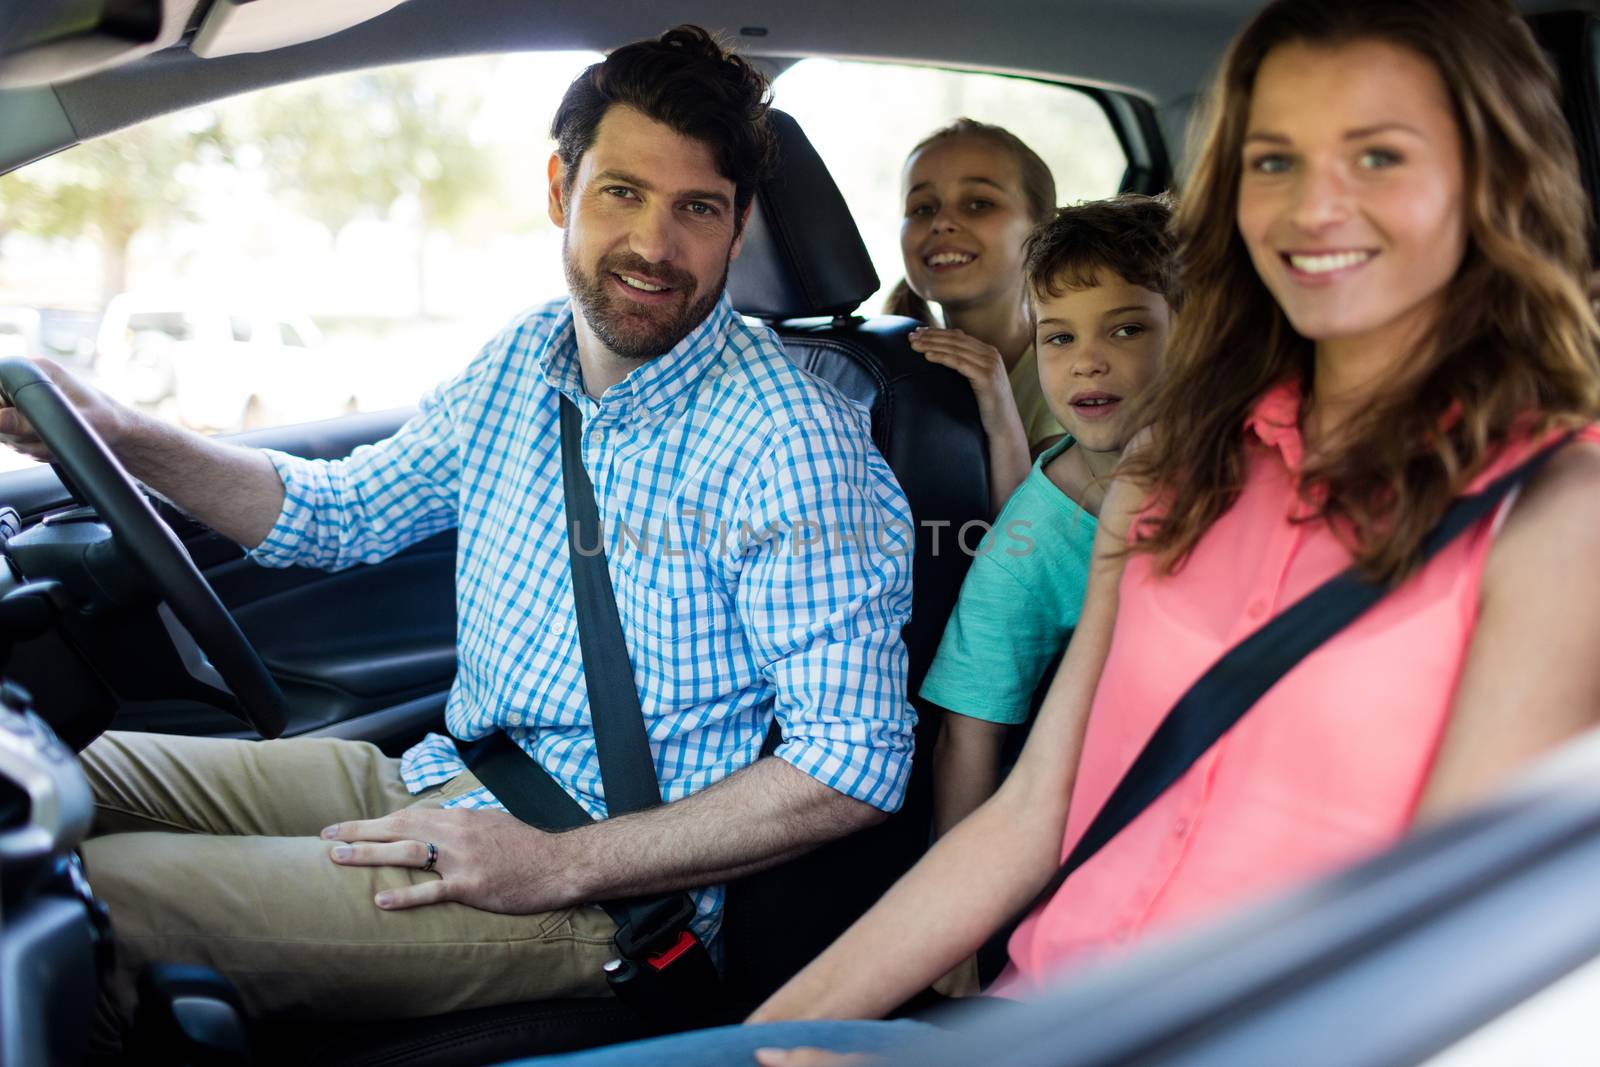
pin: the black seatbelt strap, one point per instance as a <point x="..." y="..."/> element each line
<point x="1233" y="685"/>
<point x="534" y="798"/>
<point x="663" y="969"/>
<point x="626" y="767"/>
<point x="646" y="926"/>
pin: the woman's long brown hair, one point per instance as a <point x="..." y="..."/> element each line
<point x="1514" y="352"/>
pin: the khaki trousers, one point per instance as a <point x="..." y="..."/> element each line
<point x="206" y="851"/>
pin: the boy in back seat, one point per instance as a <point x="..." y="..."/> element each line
<point x="1099" y="288"/>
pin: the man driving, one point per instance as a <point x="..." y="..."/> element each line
<point x="758" y="548"/>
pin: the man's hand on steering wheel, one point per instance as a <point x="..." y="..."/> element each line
<point x="104" y="415"/>
<point x="50" y="414"/>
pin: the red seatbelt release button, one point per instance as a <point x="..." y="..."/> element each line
<point x="663" y="959"/>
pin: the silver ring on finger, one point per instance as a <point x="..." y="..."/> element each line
<point x="433" y="855"/>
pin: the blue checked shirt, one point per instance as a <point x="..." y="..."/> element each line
<point x="759" y="547"/>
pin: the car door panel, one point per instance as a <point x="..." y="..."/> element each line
<point x="367" y="652"/>
<point x="341" y="644"/>
<point x="34" y="491"/>
<point x="370" y="632"/>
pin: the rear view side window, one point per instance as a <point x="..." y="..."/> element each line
<point x="864" y="118"/>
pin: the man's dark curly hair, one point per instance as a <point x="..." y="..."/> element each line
<point x="684" y="79"/>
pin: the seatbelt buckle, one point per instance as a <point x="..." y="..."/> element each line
<point x="654" y="926"/>
<point x="675" y="987"/>
<point x="663" y="970"/>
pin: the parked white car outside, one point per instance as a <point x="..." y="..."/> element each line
<point x="218" y="366"/>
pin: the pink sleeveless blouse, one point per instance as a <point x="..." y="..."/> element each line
<point x="1329" y="765"/>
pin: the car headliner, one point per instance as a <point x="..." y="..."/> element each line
<point x="1161" y="49"/>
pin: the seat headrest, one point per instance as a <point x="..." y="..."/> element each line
<point x="802" y="252"/>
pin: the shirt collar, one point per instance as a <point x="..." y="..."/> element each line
<point x="1048" y="455"/>
<point x="658" y="387"/>
<point x="1275" y="420"/>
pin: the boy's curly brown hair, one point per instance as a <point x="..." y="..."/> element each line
<point x="1126" y="234"/>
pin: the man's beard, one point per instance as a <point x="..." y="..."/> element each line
<point x="635" y="331"/>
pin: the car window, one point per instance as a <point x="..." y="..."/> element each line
<point x="398" y="213"/>
<point x="13" y="339"/>
<point x="67" y="334"/>
<point x="866" y="146"/>
<point x="172" y="325"/>
<point x="401" y="213"/>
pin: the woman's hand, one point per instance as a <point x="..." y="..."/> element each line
<point x="810" y="1057"/>
<point x="985" y="370"/>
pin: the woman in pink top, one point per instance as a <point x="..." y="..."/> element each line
<point x="1382" y="249"/>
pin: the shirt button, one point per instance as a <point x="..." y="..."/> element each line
<point x="560" y="626"/>
<point x="1180" y="826"/>
<point x="1257" y="609"/>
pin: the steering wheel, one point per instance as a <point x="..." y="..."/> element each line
<point x="91" y="468"/>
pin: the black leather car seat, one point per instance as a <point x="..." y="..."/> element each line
<point x="804" y="270"/>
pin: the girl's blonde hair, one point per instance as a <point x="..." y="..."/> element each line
<point x="1038" y="189"/>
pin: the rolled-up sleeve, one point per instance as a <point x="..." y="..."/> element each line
<point x="378" y="500"/>
<point x="824" y="592"/>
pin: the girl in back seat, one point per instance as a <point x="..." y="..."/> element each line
<point x="973" y="192"/>
<point x="1382" y="252"/>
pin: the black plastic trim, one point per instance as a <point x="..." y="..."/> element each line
<point x="36" y="491"/>
<point x="408" y="720"/>
<point x="47" y="987"/>
<point x="1149" y="168"/>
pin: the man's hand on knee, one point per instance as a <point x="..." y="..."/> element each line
<point x="485" y="859"/>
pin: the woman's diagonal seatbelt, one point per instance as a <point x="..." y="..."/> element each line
<point x="1232" y="685"/>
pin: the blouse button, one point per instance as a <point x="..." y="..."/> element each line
<point x="1180" y="827"/>
<point x="1257" y="609"/>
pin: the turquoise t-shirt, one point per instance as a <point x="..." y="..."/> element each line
<point x="1019" y="602"/>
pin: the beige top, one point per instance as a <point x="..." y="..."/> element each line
<point x="1037" y="422"/>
